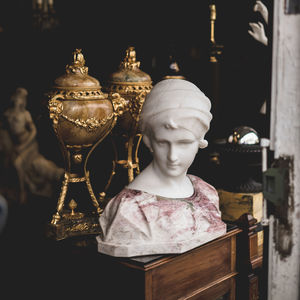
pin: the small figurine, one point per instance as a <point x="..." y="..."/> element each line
<point x="18" y="144"/>
<point x="165" y="210"/>
<point x="258" y="33"/>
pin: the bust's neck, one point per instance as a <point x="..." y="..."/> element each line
<point x="152" y="181"/>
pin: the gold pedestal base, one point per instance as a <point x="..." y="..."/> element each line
<point x="68" y="226"/>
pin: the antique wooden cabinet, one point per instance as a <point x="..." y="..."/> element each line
<point x="206" y="272"/>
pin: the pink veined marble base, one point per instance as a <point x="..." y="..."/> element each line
<point x="136" y="223"/>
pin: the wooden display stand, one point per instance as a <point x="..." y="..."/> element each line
<point x="229" y="267"/>
<point x="206" y="272"/>
<point x="225" y="268"/>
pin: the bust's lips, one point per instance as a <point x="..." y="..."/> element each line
<point x="173" y="166"/>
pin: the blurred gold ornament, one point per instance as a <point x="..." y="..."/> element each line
<point x="215" y="49"/>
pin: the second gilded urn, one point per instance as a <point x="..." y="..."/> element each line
<point x="133" y="85"/>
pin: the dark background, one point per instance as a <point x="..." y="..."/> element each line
<point x="33" y="57"/>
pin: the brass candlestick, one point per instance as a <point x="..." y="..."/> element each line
<point x="216" y="49"/>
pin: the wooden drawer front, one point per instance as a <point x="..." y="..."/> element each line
<point x="191" y="271"/>
<point x="225" y="288"/>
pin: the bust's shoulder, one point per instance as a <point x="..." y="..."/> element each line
<point x="199" y="181"/>
<point x="201" y="185"/>
<point x="128" y="196"/>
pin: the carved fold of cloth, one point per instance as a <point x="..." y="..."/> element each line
<point x="137" y="223"/>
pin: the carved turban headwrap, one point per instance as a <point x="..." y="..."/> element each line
<point x="177" y="96"/>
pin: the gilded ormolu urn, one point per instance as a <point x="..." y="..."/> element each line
<point x="82" y="116"/>
<point x="133" y="85"/>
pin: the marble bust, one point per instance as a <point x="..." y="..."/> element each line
<point x="164" y="210"/>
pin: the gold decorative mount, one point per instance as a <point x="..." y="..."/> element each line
<point x="69" y="93"/>
<point x="69" y="178"/>
<point x="78" y="65"/>
<point x="119" y="104"/>
<point x="73" y="214"/>
<point x="56" y="108"/>
<point x="91" y="123"/>
<point x="132" y="88"/>
<point x="173" y="77"/>
<point x="135" y="106"/>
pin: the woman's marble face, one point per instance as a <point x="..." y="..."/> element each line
<point x="174" y="150"/>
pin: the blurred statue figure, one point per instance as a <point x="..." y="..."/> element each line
<point x="258" y="33"/>
<point x="257" y="29"/>
<point x="19" y="147"/>
<point x="164" y="209"/>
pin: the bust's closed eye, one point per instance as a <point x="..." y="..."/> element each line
<point x="186" y="142"/>
<point x="161" y="142"/>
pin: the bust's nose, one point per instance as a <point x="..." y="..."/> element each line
<point x="172" y="154"/>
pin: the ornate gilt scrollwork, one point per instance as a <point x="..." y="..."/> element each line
<point x="119" y="104"/>
<point x="55" y="108"/>
<point x="61" y="200"/>
<point x="128" y="89"/>
<point x="90" y="124"/>
<point x="78" y="94"/>
<point x="137" y="104"/>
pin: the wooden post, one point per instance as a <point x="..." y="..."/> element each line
<point x="249" y="262"/>
<point x="284" y="239"/>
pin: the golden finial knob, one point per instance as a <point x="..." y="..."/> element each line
<point x="78" y="65"/>
<point x="129" y="61"/>
<point x="130" y="54"/>
<point x="72" y="206"/>
<point x="73" y="215"/>
<point x="78" y="58"/>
